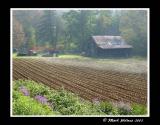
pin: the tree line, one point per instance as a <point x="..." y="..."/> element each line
<point x="72" y="29"/>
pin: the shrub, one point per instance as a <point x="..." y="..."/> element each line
<point x="62" y="98"/>
<point x="138" y="109"/>
<point x="24" y="90"/>
<point x="106" y="107"/>
<point x="31" y="98"/>
<point x="24" y="105"/>
<point x="16" y="94"/>
<point x="123" y="108"/>
<point x="36" y="89"/>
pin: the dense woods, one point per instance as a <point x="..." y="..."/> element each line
<point x="72" y="29"/>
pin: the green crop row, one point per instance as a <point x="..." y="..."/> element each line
<point x="31" y="98"/>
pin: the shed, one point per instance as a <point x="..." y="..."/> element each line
<point x="108" y="46"/>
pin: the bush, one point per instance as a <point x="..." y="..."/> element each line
<point x="124" y="111"/>
<point x="106" y="107"/>
<point x="139" y="109"/>
<point x="31" y="98"/>
<point x="24" y="105"/>
<point x="35" y="88"/>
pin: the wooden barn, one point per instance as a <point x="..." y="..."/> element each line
<point x="103" y="46"/>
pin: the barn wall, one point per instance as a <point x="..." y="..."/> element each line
<point x="92" y="49"/>
<point x="114" y="52"/>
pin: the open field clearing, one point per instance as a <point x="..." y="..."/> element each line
<point x="130" y="65"/>
<point x="87" y="78"/>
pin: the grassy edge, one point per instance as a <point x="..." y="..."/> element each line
<point x="65" y="103"/>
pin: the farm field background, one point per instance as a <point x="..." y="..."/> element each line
<point x="102" y="79"/>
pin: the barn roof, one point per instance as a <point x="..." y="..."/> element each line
<point x="110" y="42"/>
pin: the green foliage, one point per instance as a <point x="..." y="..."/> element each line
<point x="123" y="111"/>
<point x="35" y="89"/>
<point x="139" y="109"/>
<point x="26" y="19"/>
<point x="71" y="56"/>
<point x="62" y="102"/>
<point x="32" y="39"/>
<point x="103" y="22"/>
<point x="46" y="28"/>
<point x="133" y="28"/>
<point x="123" y="108"/>
<point x="106" y="107"/>
<point x="69" y="104"/>
<point x="18" y="33"/>
<point x="14" y="55"/>
<point x="24" y="105"/>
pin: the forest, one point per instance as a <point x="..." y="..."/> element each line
<point x="71" y="30"/>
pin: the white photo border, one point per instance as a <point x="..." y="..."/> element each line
<point x="148" y="61"/>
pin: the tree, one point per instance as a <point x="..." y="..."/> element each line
<point x="26" y="19"/>
<point x="103" y="22"/>
<point x="133" y="27"/>
<point x="32" y="38"/>
<point x="79" y="28"/>
<point x="83" y="29"/>
<point x="113" y="29"/>
<point x="71" y="28"/>
<point x="18" y="33"/>
<point x="46" y="28"/>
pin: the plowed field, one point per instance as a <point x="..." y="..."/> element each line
<point x="89" y="83"/>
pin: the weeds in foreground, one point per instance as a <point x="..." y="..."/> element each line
<point x="31" y="98"/>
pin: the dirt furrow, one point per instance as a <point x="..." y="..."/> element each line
<point x="87" y="83"/>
